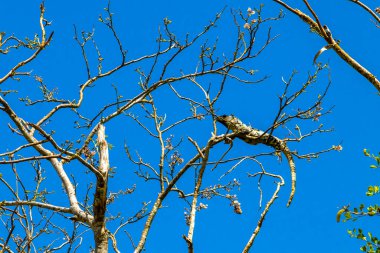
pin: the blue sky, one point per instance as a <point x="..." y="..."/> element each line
<point x="324" y="185"/>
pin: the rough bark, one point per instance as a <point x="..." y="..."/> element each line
<point x="100" y="198"/>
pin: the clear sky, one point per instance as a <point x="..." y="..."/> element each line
<point x="324" y="184"/>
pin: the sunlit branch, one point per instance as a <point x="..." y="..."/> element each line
<point x="334" y="45"/>
<point x="41" y="46"/>
<point x="266" y="209"/>
<point x="36" y="204"/>
<point x="190" y="233"/>
<point x="29" y="159"/>
<point x="367" y="9"/>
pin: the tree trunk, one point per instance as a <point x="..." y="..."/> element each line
<point x="100" y="198"/>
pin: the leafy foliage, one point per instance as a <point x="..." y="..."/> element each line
<point x="372" y="243"/>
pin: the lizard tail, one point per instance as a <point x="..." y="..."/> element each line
<point x="292" y="167"/>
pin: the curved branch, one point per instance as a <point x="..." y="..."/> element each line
<point x="57" y="164"/>
<point x="335" y="46"/>
<point x="365" y="7"/>
<point x="265" y="211"/>
<point x="37" y="204"/>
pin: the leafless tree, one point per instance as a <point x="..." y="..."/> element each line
<point x="44" y="157"/>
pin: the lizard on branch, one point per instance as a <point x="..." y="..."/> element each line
<point x="255" y="136"/>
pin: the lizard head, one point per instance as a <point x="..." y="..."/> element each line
<point x="224" y="118"/>
<point x="227" y="120"/>
<point x="232" y="123"/>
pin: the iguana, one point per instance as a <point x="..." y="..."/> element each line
<point x="255" y="136"/>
